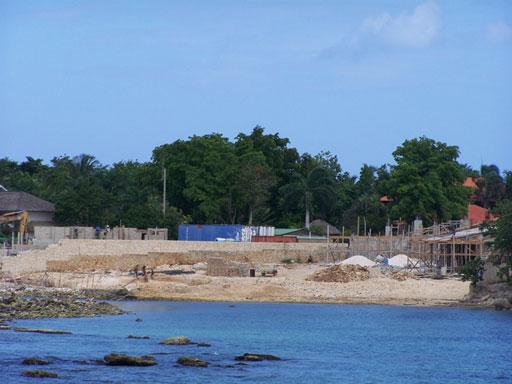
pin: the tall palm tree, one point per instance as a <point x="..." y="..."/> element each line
<point x="310" y="190"/>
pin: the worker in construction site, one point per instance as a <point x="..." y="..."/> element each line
<point x="145" y="273"/>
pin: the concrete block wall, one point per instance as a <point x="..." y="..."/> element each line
<point x="124" y="254"/>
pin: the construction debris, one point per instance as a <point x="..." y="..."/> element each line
<point x="402" y="275"/>
<point x="341" y="274"/>
<point x="399" y="261"/>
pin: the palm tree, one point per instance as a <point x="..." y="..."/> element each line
<point x="312" y="189"/>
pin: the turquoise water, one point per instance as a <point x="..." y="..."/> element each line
<point x="318" y="344"/>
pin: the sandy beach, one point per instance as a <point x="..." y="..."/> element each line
<point x="289" y="285"/>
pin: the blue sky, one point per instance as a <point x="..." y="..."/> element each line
<point x="357" y="78"/>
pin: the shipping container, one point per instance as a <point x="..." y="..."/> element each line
<point x="263" y="231"/>
<point x="214" y="232"/>
<point x="274" y="239"/>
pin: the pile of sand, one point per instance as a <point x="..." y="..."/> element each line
<point x="341" y="274"/>
<point x="358" y="260"/>
<point x="399" y="261"/>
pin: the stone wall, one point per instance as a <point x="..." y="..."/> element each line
<point x="125" y="254"/>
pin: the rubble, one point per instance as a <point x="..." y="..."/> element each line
<point x="341" y="274"/>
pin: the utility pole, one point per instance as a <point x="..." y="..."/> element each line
<point x="165" y="191"/>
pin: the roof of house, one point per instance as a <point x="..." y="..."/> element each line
<point x="470" y="182"/>
<point x="284" y="231"/>
<point x="477" y="214"/>
<point x="323" y="225"/>
<point x="23" y="201"/>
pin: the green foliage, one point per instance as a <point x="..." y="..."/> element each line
<point x="427" y="182"/>
<point x="312" y="189"/>
<point x="502" y="246"/>
<point x="473" y="271"/>
<point x="491" y="188"/>
<point x="256" y="179"/>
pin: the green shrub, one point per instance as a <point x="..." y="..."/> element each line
<point x="473" y="271"/>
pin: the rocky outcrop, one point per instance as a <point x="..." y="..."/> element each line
<point x="35" y="303"/>
<point x="192" y="362"/>
<point x="138" y="337"/>
<point x="178" y="340"/>
<point x="42" y="330"/>
<point x="498" y="296"/>
<point x="39" y="373"/>
<point x="34" y="361"/>
<point x="256" y="357"/>
<point x="132" y="361"/>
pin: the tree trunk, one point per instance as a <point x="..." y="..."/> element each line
<point x="250" y="216"/>
<point x="307" y="218"/>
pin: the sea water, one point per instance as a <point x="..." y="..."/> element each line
<point x="317" y="344"/>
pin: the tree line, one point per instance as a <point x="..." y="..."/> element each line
<point x="257" y="179"/>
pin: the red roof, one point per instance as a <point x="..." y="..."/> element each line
<point x="385" y="199"/>
<point x="470" y="182"/>
<point x="477" y="214"/>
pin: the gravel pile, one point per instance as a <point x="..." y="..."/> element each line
<point x="358" y="260"/>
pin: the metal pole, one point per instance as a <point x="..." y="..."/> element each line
<point x="165" y="191"/>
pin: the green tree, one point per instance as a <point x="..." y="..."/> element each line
<point x="253" y="183"/>
<point x="312" y="189"/>
<point x="473" y="271"/>
<point x="427" y="182"/>
<point x="501" y="231"/>
<point x="282" y="162"/>
<point x="202" y="172"/>
<point x="491" y="188"/>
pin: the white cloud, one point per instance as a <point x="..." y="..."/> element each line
<point x="416" y="29"/>
<point x="499" y="32"/>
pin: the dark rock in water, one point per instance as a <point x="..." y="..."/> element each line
<point x="47" y="331"/>
<point x="138" y="320"/>
<point x="256" y="357"/>
<point x="35" y="361"/>
<point x="192" y="362"/>
<point x="203" y="345"/>
<point x="133" y="361"/>
<point x="178" y="340"/>
<point x="39" y="373"/>
<point x="502" y="304"/>
<point x="138" y="337"/>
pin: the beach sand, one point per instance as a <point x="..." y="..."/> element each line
<point x="289" y="285"/>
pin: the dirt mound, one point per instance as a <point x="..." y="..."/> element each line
<point x="341" y="274"/>
<point x="402" y="275"/>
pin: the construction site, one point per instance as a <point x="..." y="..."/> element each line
<point x="408" y="264"/>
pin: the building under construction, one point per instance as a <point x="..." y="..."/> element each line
<point x="443" y="247"/>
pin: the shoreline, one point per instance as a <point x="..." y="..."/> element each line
<point x="347" y="301"/>
<point x="109" y="296"/>
<point x="297" y="284"/>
